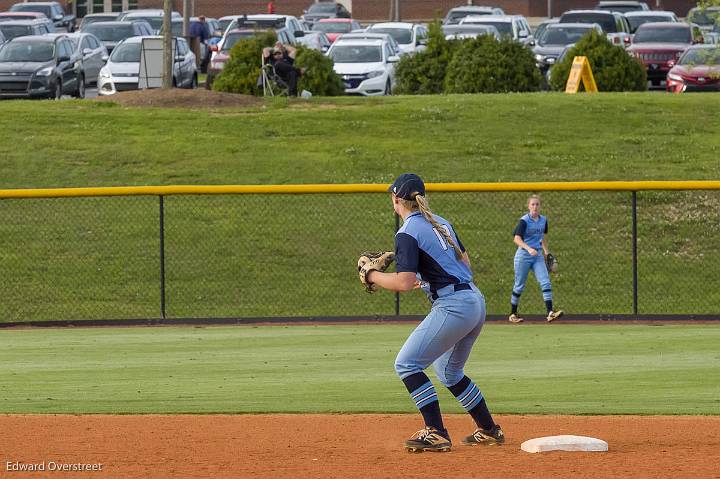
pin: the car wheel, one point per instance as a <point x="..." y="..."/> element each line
<point x="80" y="91"/>
<point x="388" y="88"/>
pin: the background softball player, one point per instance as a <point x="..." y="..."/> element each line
<point x="427" y="245"/>
<point x="529" y="236"/>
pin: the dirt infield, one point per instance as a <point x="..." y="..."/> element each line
<point x="345" y="446"/>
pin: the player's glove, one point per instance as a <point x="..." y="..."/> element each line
<point x="551" y="262"/>
<point x="373" y="261"/>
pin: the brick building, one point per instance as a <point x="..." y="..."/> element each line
<point x="364" y="10"/>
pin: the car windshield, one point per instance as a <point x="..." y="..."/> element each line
<point x="606" y="21"/>
<point x="90" y="20"/>
<point x="356" y="54"/>
<point x="322" y="8"/>
<point x="662" y="35"/>
<point x="563" y="35"/>
<point x="155" y="22"/>
<point x="113" y="33"/>
<point x="701" y="56"/>
<point x="703" y="17"/>
<point x="455" y="17"/>
<point x="263" y="23"/>
<point x="29" y="7"/>
<point x="635" y="22"/>
<point x="232" y="38"/>
<point x="27" y="52"/>
<point x="401" y="35"/>
<point x="13" y="31"/>
<point x="332" y="27"/>
<point x="8" y="18"/>
<point x="126" y="53"/>
<point x="505" y="28"/>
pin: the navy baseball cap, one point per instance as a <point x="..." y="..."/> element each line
<point x="407" y="184"/>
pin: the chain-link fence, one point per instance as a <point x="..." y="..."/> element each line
<point x="294" y="255"/>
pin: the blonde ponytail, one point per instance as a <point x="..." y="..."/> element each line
<point x="422" y="205"/>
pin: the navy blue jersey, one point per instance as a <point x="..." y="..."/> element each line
<point x="532" y="231"/>
<point x="419" y="248"/>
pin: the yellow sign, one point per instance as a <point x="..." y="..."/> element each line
<point x="580" y="71"/>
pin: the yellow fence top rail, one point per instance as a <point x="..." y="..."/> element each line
<point x="354" y="188"/>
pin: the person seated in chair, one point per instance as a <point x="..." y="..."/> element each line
<point x="282" y="58"/>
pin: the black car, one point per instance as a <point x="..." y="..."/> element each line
<point x="91" y="18"/>
<point x="40" y="67"/>
<point x="53" y="10"/>
<point x="321" y="10"/>
<point x="112" y="33"/>
<point x="21" y="28"/>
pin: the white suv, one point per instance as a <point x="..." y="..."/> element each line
<point x="513" y="26"/>
<point x="411" y="37"/>
<point x="366" y="66"/>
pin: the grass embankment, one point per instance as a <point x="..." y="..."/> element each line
<point x="253" y="256"/>
<point x="567" y="369"/>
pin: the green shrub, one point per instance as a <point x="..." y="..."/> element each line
<point x="486" y="65"/>
<point x="612" y="67"/>
<point x="242" y="70"/>
<point x="320" y="78"/>
<point x="424" y="73"/>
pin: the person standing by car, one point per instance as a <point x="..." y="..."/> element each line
<point x="199" y="33"/>
<point x="529" y="236"/>
<point x="282" y="58"/>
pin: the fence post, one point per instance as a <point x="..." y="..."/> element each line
<point x="634" y="253"/>
<point x="162" y="257"/>
<point x="397" y="293"/>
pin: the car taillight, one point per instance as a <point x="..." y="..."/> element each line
<point x="627" y="40"/>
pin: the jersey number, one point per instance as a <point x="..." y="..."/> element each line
<point x="441" y="238"/>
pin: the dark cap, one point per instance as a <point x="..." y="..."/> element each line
<point x="407" y="184"/>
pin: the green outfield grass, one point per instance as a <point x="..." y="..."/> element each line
<point x="230" y="256"/>
<point x="539" y="369"/>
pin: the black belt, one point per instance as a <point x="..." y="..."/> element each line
<point x="456" y="287"/>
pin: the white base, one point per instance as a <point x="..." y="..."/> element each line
<point x="564" y="443"/>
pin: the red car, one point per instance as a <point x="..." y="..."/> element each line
<point x="334" y="27"/>
<point x="659" y="45"/>
<point x="697" y="70"/>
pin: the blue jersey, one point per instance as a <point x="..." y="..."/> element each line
<point x="420" y="249"/>
<point x="532" y="231"/>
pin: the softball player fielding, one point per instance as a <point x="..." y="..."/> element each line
<point x="529" y="236"/>
<point x="427" y="245"/>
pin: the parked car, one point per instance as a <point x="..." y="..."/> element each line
<point x="112" y="33"/>
<point x="461" y="32"/>
<point x="706" y="18"/>
<point x="659" y="46"/>
<point x="321" y="10"/>
<point x="52" y="10"/>
<point x="454" y="15"/>
<point x="555" y="39"/>
<point x="268" y="21"/>
<point x="697" y="70"/>
<point x="614" y="24"/>
<point x="221" y="51"/>
<point x="411" y="37"/>
<point x="40" y="67"/>
<point x="394" y="46"/>
<point x="91" y="54"/>
<point x="540" y="29"/>
<point x="316" y="41"/>
<point x="9" y="16"/>
<point x="153" y="16"/>
<point x="366" y="66"/>
<point x="622" y="6"/>
<point x="513" y="26"/>
<point x="656" y="16"/>
<point x="2" y="38"/>
<point x="97" y="17"/>
<point x="23" y="28"/>
<point x="122" y="70"/>
<point x="334" y="27"/>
